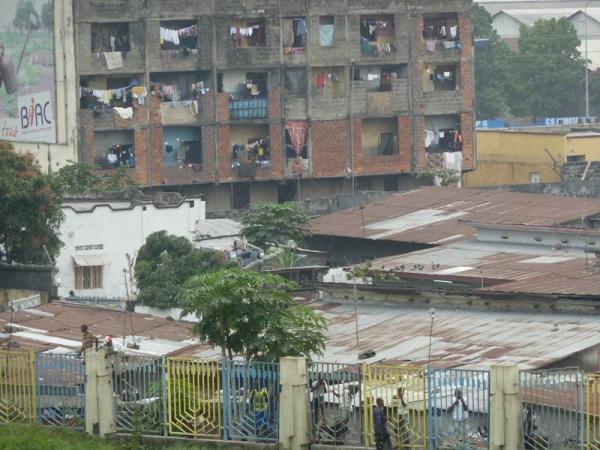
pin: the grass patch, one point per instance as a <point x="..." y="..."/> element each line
<point x="37" y="437"/>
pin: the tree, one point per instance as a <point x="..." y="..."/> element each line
<point x="76" y="178"/>
<point x="272" y="223"/>
<point x="252" y="314"/>
<point x="30" y="211"/>
<point x="24" y="14"/>
<point x="493" y="68"/>
<point x="163" y="264"/>
<point x="48" y="15"/>
<point x="549" y="71"/>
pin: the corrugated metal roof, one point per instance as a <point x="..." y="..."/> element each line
<point x="475" y="339"/>
<point x="530" y="16"/>
<point x="158" y="336"/>
<point x="514" y="268"/>
<point x="440" y="215"/>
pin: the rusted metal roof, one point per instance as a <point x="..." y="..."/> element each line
<point x="460" y="338"/>
<point x="498" y="267"/>
<point x="60" y="327"/>
<point x="436" y="216"/>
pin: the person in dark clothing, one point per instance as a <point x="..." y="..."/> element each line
<point x="382" y="436"/>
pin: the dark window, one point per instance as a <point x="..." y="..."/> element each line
<point x="241" y="196"/>
<point x="110" y="37"/>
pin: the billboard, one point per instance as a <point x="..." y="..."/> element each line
<point x="27" y="79"/>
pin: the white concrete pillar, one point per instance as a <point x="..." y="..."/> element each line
<point x="99" y="411"/>
<point x="505" y="408"/>
<point x="294" y="414"/>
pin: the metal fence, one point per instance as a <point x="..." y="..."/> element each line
<point x="60" y="389"/>
<point x="139" y="393"/>
<point x="552" y="405"/>
<point x="403" y="391"/>
<point x="17" y="387"/>
<point x="251" y="401"/>
<point x="592" y="412"/>
<point x="459" y="408"/>
<point x="335" y="394"/>
<point x="194" y="397"/>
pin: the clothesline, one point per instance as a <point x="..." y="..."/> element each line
<point x="244" y="31"/>
<point x="174" y="36"/>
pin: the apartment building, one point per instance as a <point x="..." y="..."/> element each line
<point x="262" y="100"/>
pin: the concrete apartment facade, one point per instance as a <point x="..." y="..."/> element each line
<point x="327" y="96"/>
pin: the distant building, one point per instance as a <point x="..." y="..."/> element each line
<point x="253" y="101"/>
<point x="529" y="155"/>
<point x="102" y="237"/>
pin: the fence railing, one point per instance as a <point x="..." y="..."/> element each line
<point x="60" y="389"/>
<point x="233" y="400"/>
<point x="403" y="392"/>
<point x="459" y="408"/>
<point x="139" y="393"/>
<point x="17" y="387"/>
<point x="194" y="400"/>
<point x="251" y="401"/>
<point x="552" y="413"/>
<point x="336" y="399"/>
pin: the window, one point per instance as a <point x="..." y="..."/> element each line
<point x="575" y="158"/>
<point x="182" y="86"/>
<point x="328" y="82"/>
<point x="114" y="149"/>
<point x="108" y="91"/>
<point x="534" y="177"/>
<point x="379" y="137"/>
<point x="88" y="277"/>
<point x="377" y="35"/>
<point x="378" y="78"/>
<point x="179" y="36"/>
<point x="294" y="33"/>
<point x="441" y="28"/>
<point x="248" y="33"/>
<point x="326" y="31"/>
<point x="182" y="146"/>
<point x="110" y="37"/>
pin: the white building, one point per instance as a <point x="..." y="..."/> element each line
<point x="102" y="237"/>
<point x="508" y="22"/>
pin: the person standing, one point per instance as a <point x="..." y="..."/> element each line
<point x="319" y="388"/>
<point x="382" y="437"/>
<point x="402" y="431"/>
<point x="460" y="417"/>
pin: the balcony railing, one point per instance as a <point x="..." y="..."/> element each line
<point x="248" y="109"/>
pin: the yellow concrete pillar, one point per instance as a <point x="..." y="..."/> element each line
<point x="294" y="414"/>
<point x="99" y="411"/>
<point x="505" y="408"/>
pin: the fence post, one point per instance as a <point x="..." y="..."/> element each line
<point x="294" y="415"/>
<point x="505" y="408"/>
<point x="99" y="408"/>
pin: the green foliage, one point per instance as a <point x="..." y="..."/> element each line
<point x="252" y="314"/>
<point x="286" y="258"/>
<point x="48" y="15"/>
<point x="273" y="223"/>
<point x="30" y="211"/>
<point x="77" y="178"/>
<point x="448" y="177"/>
<point x="549" y="71"/>
<point x="25" y="9"/>
<point x="163" y="264"/>
<point x="493" y="68"/>
<point x="37" y="437"/>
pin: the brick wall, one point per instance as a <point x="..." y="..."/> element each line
<point x="329" y="144"/>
